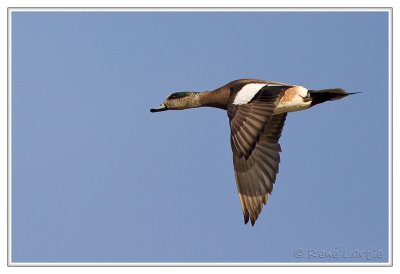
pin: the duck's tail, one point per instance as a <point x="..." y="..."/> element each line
<point x="331" y="94"/>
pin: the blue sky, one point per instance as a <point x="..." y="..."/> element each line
<point x="96" y="177"/>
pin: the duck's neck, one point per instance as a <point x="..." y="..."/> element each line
<point x="215" y="98"/>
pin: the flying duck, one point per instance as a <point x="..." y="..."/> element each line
<point x="257" y="110"/>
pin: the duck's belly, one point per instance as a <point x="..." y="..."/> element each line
<point x="291" y="106"/>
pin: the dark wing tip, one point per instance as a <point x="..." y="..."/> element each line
<point x="252" y="219"/>
<point x="246" y="217"/>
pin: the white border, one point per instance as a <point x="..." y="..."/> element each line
<point x="390" y="137"/>
<point x="202" y="9"/>
<point x="9" y="137"/>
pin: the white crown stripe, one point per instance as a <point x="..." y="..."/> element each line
<point x="247" y="93"/>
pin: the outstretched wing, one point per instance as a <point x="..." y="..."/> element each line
<point x="256" y="175"/>
<point x="255" y="133"/>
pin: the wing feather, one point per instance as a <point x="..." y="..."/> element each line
<point x="255" y="132"/>
<point x="256" y="175"/>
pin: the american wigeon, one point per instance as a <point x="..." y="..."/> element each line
<point x="257" y="111"/>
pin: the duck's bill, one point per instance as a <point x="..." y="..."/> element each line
<point x="162" y="107"/>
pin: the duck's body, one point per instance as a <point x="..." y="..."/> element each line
<point x="257" y="111"/>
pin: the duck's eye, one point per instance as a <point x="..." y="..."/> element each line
<point x="178" y="95"/>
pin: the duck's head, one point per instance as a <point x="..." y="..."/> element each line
<point x="179" y="100"/>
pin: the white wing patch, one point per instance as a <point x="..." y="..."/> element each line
<point x="247" y="93"/>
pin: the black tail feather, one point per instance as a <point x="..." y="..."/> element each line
<point x="323" y="95"/>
